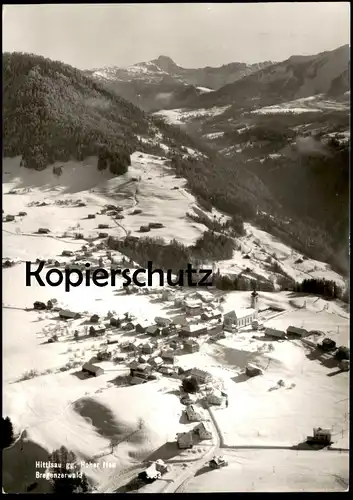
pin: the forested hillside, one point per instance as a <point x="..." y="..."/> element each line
<point x="53" y="112"/>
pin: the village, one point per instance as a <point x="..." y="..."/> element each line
<point x="150" y="350"/>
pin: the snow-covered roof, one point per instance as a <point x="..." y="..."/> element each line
<point x="194" y="327"/>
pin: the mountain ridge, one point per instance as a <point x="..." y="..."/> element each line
<point x="149" y="84"/>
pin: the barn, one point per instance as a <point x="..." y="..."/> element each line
<point x="294" y="331"/>
<point x="93" y="370"/>
<point x="272" y="332"/>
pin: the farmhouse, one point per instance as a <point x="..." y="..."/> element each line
<point x="204" y="296"/>
<point x="103" y="226"/>
<point x="143" y="370"/>
<point x="148" y="348"/>
<point x="98" y="329"/>
<point x="168" y="356"/>
<point x="141" y="327"/>
<point x="129" y="326"/>
<point x="215" y="398"/>
<point x="67" y="253"/>
<point x="43" y="230"/>
<point x="193" y="308"/>
<point x="22" y="214"/>
<point x="215" y="329"/>
<point x="242" y="318"/>
<point x="252" y="370"/>
<point x="10" y="218"/>
<point x="39" y="305"/>
<point x="180" y="320"/>
<point x="193" y="330"/>
<point x="202" y="376"/>
<point x="192" y="414"/>
<point x="191" y="345"/>
<point x="175" y="345"/>
<point x="104" y="355"/>
<point x="328" y="344"/>
<point x="272" y="332"/>
<point x="93" y="370"/>
<point x="297" y="332"/>
<point x="184" y="440"/>
<point x="115" y="322"/>
<point x="67" y="314"/>
<point x="153" y="330"/>
<point x="166" y="370"/>
<point x="204" y="430"/>
<point x="162" y="321"/>
<point x="156" y="361"/>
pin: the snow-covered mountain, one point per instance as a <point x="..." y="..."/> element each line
<point x="154" y="84"/>
<point x="164" y="68"/>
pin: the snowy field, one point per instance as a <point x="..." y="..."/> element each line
<point x="180" y="116"/>
<point x="274" y="471"/>
<point x="313" y="104"/>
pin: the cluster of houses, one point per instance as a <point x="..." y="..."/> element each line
<point x="203" y="429"/>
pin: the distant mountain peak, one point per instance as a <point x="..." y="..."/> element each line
<point x="165" y="63"/>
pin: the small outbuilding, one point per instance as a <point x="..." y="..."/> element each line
<point x="153" y="330"/>
<point x="162" y="322"/>
<point x="294" y="331"/>
<point x="327" y="345"/>
<point x="98" y="329"/>
<point x="92" y="370"/>
<point x="204" y="430"/>
<point x="273" y="332"/>
<point x="252" y="370"/>
<point x="184" y="440"/>
<point x="67" y="314"/>
<point x="141" y="328"/>
<point x="115" y="322"/>
<point x="148" y="348"/>
<point x="191" y="345"/>
<point x="192" y="414"/>
<point x="39" y="306"/>
<point x="67" y="253"/>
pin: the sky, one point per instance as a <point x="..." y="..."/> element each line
<point x="193" y="35"/>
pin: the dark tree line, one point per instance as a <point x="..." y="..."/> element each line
<point x="7" y="434"/>
<point x="175" y="255"/>
<point x="325" y="288"/>
<point x="243" y="283"/>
